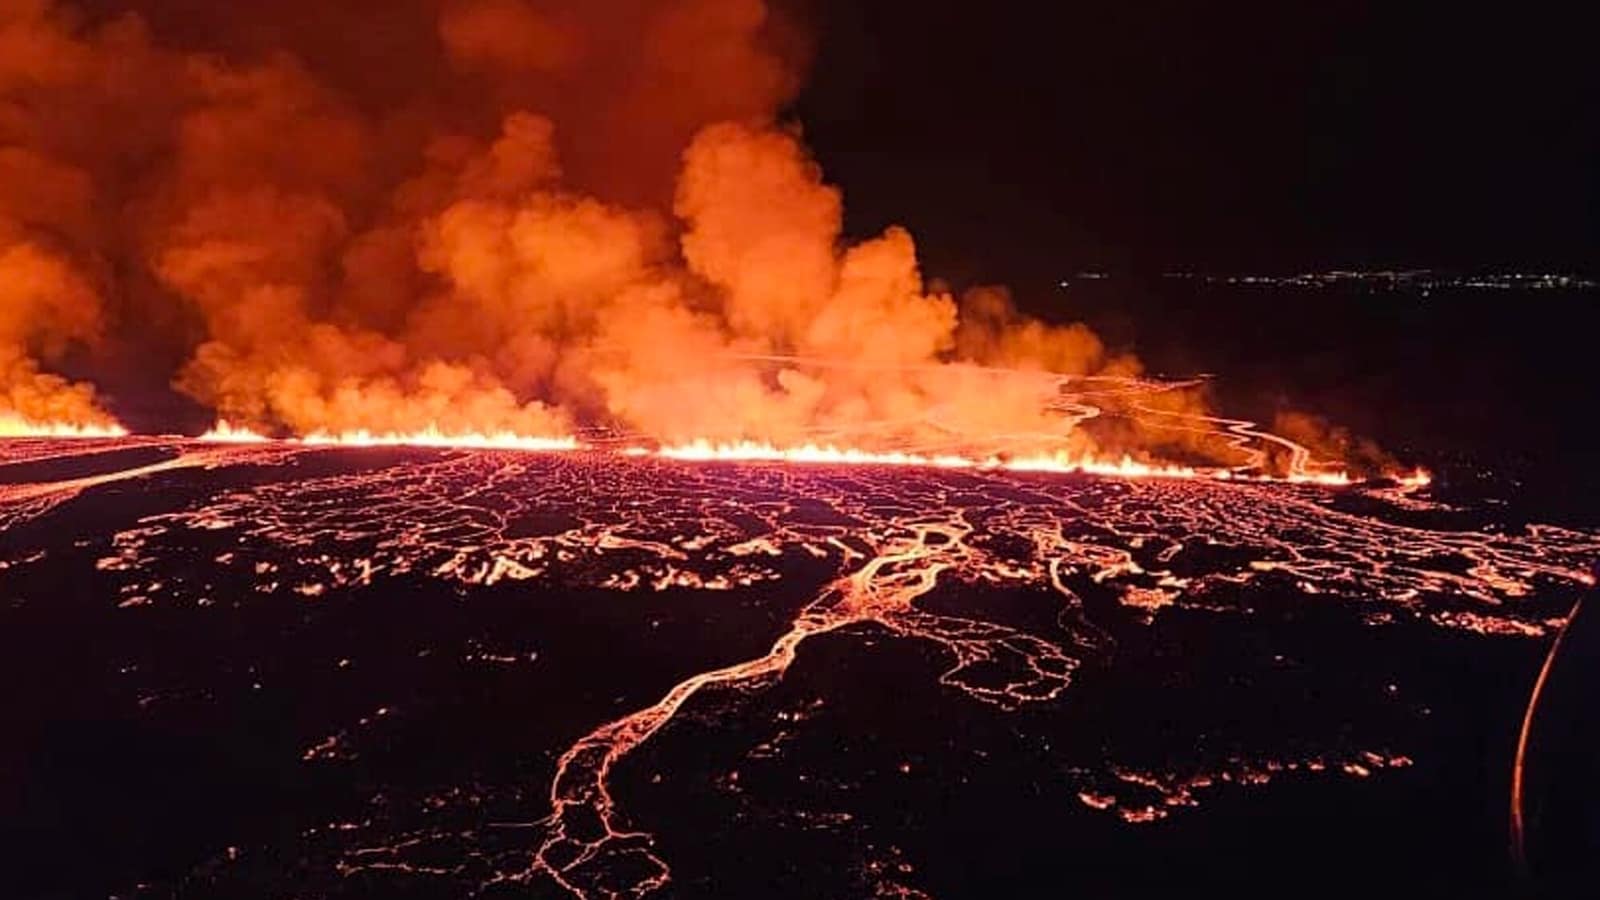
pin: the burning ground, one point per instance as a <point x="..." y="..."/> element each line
<point x="632" y="609"/>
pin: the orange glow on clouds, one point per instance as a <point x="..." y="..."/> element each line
<point x="588" y="246"/>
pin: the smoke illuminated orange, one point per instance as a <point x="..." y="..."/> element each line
<point x="591" y="248"/>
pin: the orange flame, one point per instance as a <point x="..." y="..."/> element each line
<point x="16" y="427"/>
<point x="1419" y="478"/>
<point x="1061" y="463"/>
<point x="225" y="432"/>
<point x="751" y="451"/>
<point x="704" y="450"/>
<point x="433" y="436"/>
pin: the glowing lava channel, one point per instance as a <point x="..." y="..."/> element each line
<point x="586" y="843"/>
<point x="1199" y="544"/>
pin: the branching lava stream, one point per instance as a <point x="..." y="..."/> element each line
<point x="893" y="549"/>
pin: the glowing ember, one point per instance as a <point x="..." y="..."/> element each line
<point x="14" y="427"/>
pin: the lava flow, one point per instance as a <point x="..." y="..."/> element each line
<point x="895" y="569"/>
<point x="860" y="553"/>
<point x="543" y="300"/>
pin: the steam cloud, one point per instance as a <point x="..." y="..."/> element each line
<point x="472" y="215"/>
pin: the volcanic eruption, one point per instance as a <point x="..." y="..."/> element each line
<point x="581" y="500"/>
<point x="497" y="223"/>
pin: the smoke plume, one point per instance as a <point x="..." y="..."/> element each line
<point x="476" y="215"/>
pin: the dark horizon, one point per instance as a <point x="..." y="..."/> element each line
<point x="1015" y="140"/>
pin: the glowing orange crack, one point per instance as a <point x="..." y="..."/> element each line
<point x="892" y="557"/>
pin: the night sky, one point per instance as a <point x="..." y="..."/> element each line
<point x="1021" y="138"/>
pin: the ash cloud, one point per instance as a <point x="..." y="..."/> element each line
<point x="473" y="215"/>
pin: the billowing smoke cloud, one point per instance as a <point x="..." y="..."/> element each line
<point x="44" y="304"/>
<point x="476" y="215"/>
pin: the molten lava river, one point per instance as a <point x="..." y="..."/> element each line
<point x="258" y="668"/>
